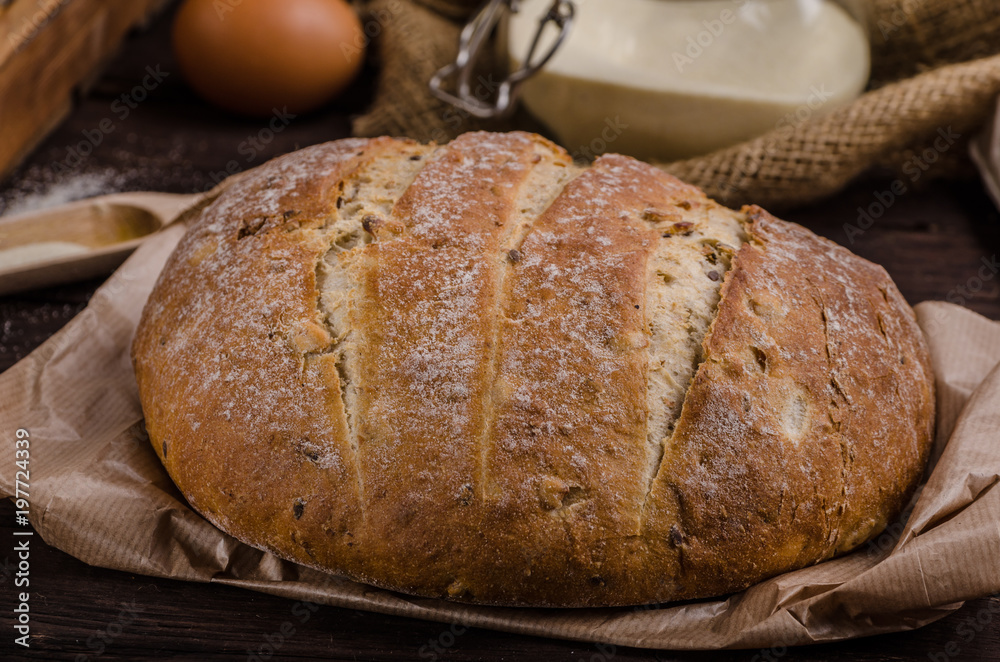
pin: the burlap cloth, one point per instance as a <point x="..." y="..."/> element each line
<point x="935" y="69"/>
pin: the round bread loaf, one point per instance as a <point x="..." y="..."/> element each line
<point x="478" y="371"/>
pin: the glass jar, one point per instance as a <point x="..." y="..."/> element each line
<point x="670" y="79"/>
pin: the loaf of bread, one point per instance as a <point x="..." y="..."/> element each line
<point x="481" y="372"/>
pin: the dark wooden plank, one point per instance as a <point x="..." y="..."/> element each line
<point x="932" y="240"/>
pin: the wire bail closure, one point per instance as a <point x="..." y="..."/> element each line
<point x="473" y="39"/>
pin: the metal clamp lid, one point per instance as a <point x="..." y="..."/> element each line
<point x="473" y="39"/>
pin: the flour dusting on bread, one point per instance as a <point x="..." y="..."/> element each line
<point x="478" y="371"/>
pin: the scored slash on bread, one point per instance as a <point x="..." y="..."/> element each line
<point x="481" y="372"/>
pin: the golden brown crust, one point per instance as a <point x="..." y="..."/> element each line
<point x="809" y="421"/>
<point x="227" y="394"/>
<point x="425" y="319"/>
<point x="567" y="461"/>
<point x="467" y="417"/>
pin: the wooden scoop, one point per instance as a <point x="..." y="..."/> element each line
<point x="81" y="239"/>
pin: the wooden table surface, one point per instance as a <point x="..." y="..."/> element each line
<point x="932" y="241"/>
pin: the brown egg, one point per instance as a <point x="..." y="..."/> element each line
<point x="252" y="56"/>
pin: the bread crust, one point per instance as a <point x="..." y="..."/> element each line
<point x="460" y="410"/>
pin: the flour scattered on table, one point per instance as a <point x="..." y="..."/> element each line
<point x="52" y="190"/>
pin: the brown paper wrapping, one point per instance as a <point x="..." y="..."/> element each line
<point x="98" y="492"/>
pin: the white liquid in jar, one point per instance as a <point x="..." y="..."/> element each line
<point x="668" y="79"/>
